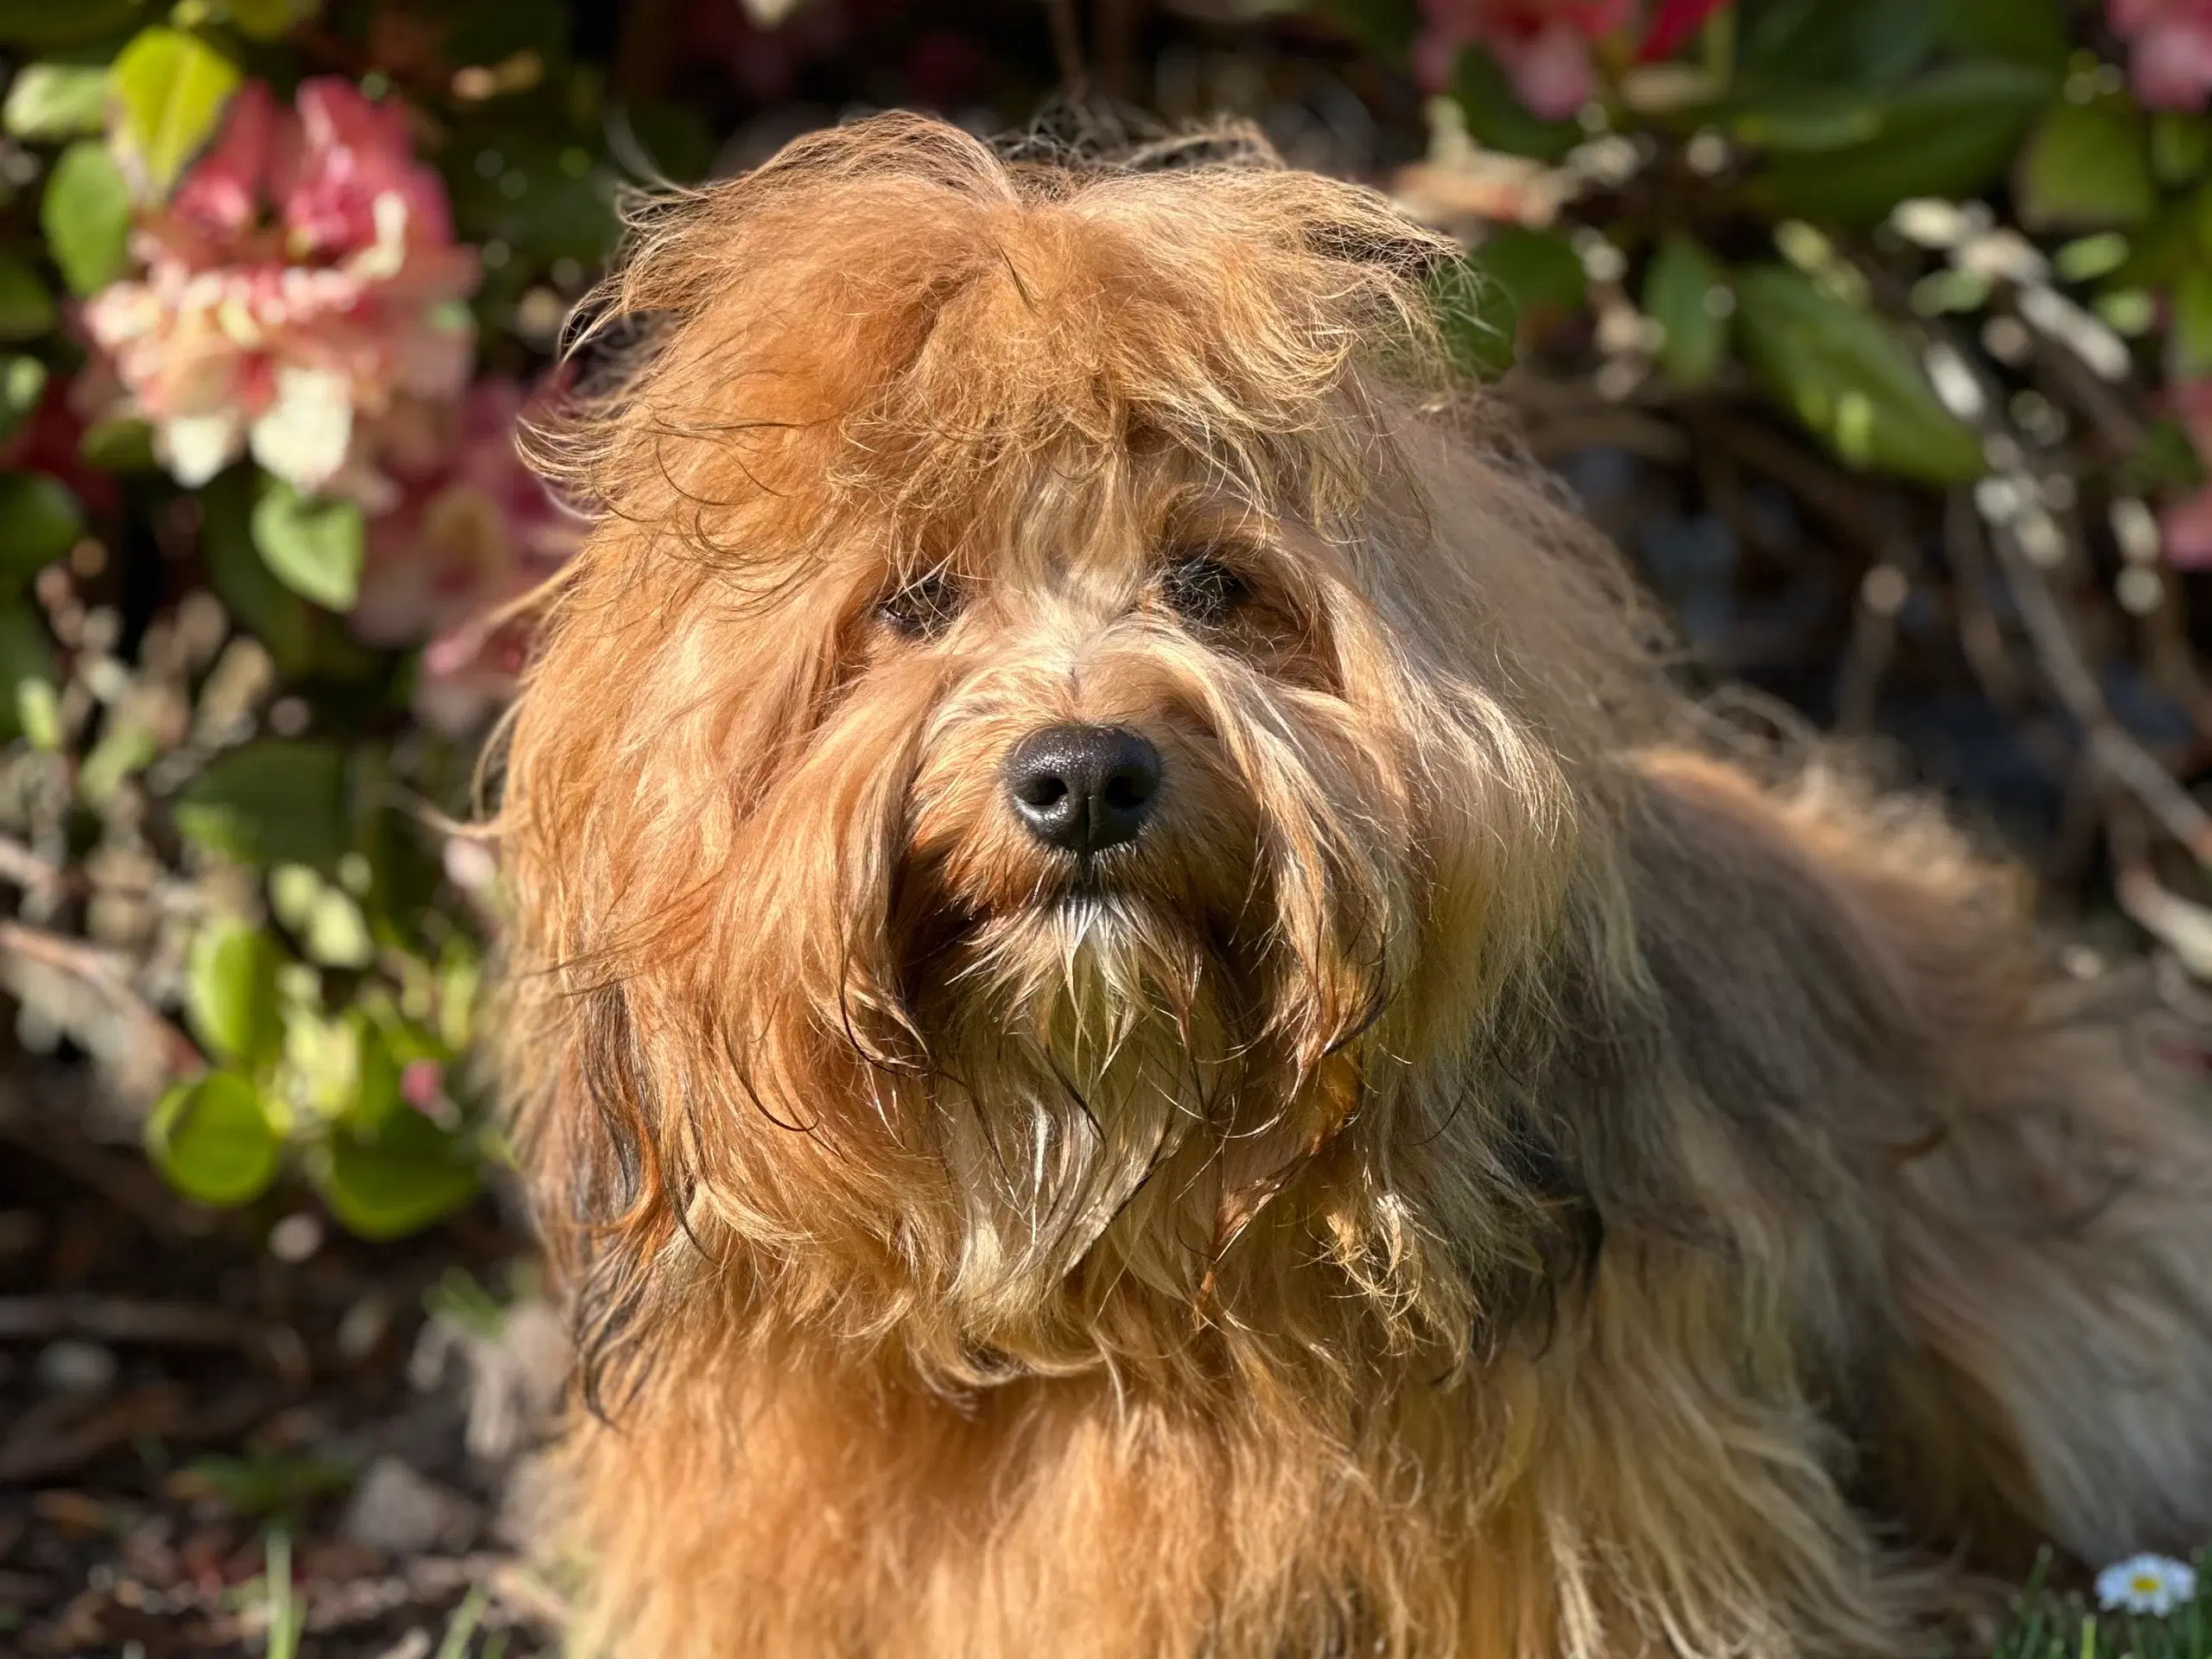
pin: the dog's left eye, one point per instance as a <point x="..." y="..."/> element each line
<point x="925" y="607"/>
<point x="1203" y="590"/>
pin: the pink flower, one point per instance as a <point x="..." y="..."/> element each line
<point x="299" y="291"/>
<point x="1544" y="45"/>
<point x="474" y="531"/>
<point x="2169" y="49"/>
<point x="422" y="1084"/>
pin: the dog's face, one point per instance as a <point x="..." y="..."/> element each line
<point x="1022" y="765"/>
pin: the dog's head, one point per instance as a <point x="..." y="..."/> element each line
<point x="1054" y="726"/>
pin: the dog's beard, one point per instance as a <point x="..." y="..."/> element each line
<point x="1085" y="1045"/>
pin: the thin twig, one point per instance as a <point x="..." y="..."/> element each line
<point x="108" y="972"/>
<point x="122" y="1319"/>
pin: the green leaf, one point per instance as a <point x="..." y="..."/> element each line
<point x="213" y="1141"/>
<point x="230" y="992"/>
<point x="1539" y="271"/>
<point x="1851" y="158"/>
<point x="2088" y="166"/>
<point x="2181" y="145"/>
<point x="1686" y="293"/>
<point x="121" y="443"/>
<point x="1823" y="43"/>
<point x="126" y="746"/>
<point x="1849" y="380"/>
<point x="2188" y="348"/>
<point x="1475" y="318"/>
<point x="85" y="214"/>
<point x="279" y="617"/>
<point x="336" y="933"/>
<point x="270" y="20"/>
<point x="545" y="201"/>
<point x="303" y="638"/>
<point x="2030" y="32"/>
<point x="41" y="23"/>
<point x="49" y="101"/>
<point x="1496" y="118"/>
<point x="40" y="521"/>
<point x="399" y="1178"/>
<point x="171" y="87"/>
<point x="26" y="662"/>
<point x="38" y="714"/>
<point x="26" y="308"/>
<point x="22" y="383"/>
<point x="314" y="545"/>
<point x="281" y="800"/>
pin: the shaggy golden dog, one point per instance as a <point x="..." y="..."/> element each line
<point x="1138" y="1036"/>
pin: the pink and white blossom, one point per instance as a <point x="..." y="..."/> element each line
<point x="300" y="291"/>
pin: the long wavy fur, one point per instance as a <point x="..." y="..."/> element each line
<point x="1476" y="1177"/>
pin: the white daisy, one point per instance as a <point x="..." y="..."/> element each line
<point x="2146" y="1584"/>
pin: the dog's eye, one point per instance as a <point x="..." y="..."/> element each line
<point x="925" y="607"/>
<point x="1202" y="589"/>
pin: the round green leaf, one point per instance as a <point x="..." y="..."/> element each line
<point x="313" y="545"/>
<point x="121" y="443"/>
<point x="1475" y="318"/>
<point x="26" y="308"/>
<point x="85" y="214"/>
<point x="1849" y="380"/>
<point x="337" y="933"/>
<point x="213" y="1141"/>
<point x="2181" y="145"/>
<point x="1497" y="118"/>
<point x="23" y="382"/>
<point x="230" y="991"/>
<point x="27" y="665"/>
<point x="1684" y="292"/>
<point x="270" y="20"/>
<point x="279" y="801"/>
<point x="2088" y="165"/>
<point x="1822" y="42"/>
<point x="171" y="88"/>
<point x="1539" y="270"/>
<point x="40" y="521"/>
<point x="50" y="101"/>
<point x="399" y="1178"/>
<point x="1855" y="155"/>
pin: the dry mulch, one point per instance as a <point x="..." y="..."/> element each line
<point x="182" y="1392"/>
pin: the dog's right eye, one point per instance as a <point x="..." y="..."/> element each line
<point x="1203" y="590"/>
<point x="925" y="607"/>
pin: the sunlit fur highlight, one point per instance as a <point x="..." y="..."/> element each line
<point x="1473" y="1178"/>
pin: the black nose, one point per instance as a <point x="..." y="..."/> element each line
<point x="1084" y="788"/>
